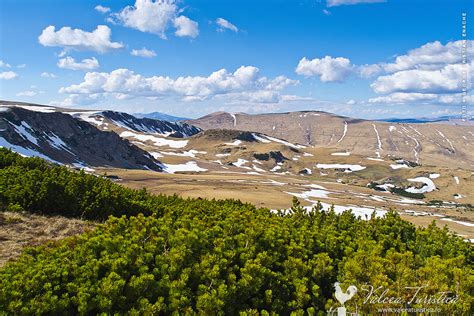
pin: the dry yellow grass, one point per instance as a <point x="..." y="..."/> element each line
<point x="19" y="230"/>
<point x="258" y="190"/>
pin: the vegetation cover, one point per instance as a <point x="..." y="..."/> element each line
<point x="165" y="255"/>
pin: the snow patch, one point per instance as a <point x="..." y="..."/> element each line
<point x="260" y="139"/>
<point x="399" y="166"/>
<point x="156" y="140"/>
<point x="236" y="142"/>
<point x="374" y="159"/>
<point x="26" y="152"/>
<point x="458" y="222"/>
<point x="42" y="109"/>
<point x="284" y="142"/>
<point x="189" y="166"/>
<point x="340" y="166"/>
<point x="344" y="133"/>
<point x="314" y="193"/>
<point x="428" y="185"/>
<point x="24" y="131"/>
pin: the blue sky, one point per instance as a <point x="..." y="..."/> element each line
<point x="239" y="56"/>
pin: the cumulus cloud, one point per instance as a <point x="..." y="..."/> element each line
<point x="8" y="75"/>
<point x="185" y="27"/>
<point x="432" y="73"/>
<point x="328" y="69"/>
<point x="155" y="16"/>
<point x="226" y="25"/>
<point x="86" y="64"/>
<point x="431" y="56"/>
<point x="368" y="71"/>
<point x="144" y="52"/>
<point x="334" y="3"/>
<point x="401" y="97"/>
<point x="68" y="38"/>
<point x="48" y="75"/>
<point x="444" y="80"/>
<point x="102" y="9"/>
<point x="244" y="83"/>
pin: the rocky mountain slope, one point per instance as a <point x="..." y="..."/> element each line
<point x="60" y="137"/>
<point x="111" y="120"/>
<point x="424" y="143"/>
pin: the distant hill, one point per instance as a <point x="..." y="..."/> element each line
<point x="426" y="143"/>
<point x="160" y="116"/>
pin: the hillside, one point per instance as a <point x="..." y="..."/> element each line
<point x="231" y="163"/>
<point x="424" y="143"/>
<point x="214" y="256"/>
<point x="83" y="139"/>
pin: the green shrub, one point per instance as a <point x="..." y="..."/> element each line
<point x="208" y="257"/>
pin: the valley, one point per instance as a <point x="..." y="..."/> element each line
<point x="268" y="170"/>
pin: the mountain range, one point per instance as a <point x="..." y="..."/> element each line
<point x="422" y="143"/>
<point x="355" y="164"/>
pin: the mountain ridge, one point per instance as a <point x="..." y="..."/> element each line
<point x="424" y="142"/>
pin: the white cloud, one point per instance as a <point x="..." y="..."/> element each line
<point x="144" y="52"/>
<point x="185" y="27"/>
<point x="444" y="80"/>
<point x="328" y="69"/>
<point x="244" y="83"/>
<point x="431" y="56"/>
<point x="326" y="12"/>
<point x="414" y="97"/>
<point x="155" y="16"/>
<point x="368" y="71"/>
<point x="85" y="64"/>
<point x="21" y="66"/>
<point x="48" y="75"/>
<point x="4" y="64"/>
<point x="68" y="38"/>
<point x="7" y="75"/>
<point x="148" y="16"/>
<point x="351" y="102"/>
<point x="102" y="9"/>
<point x="400" y="97"/>
<point x="430" y="74"/>
<point x="334" y="3"/>
<point x="224" y="24"/>
<point x="27" y="93"/>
